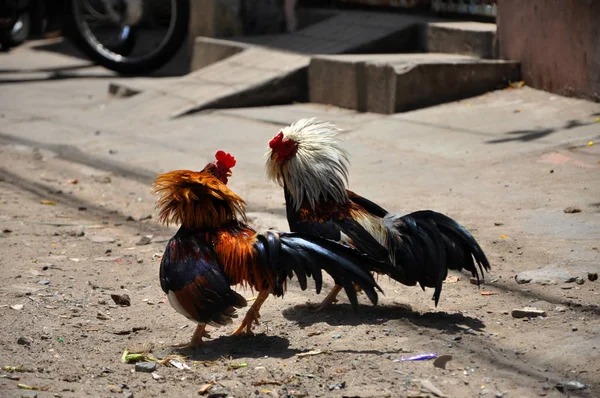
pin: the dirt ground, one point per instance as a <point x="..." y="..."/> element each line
<point x="72" y="235"/>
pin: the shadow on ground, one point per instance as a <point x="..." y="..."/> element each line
<point x="536" y="134"/>
<point x="342" y="314"/>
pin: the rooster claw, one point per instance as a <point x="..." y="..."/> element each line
<point x="248" y="323"/>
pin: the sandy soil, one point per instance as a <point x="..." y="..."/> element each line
<point x="71" y="236"/>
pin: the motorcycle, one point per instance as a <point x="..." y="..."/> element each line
<point x="127" y="36"/>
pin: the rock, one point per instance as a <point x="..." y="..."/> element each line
<point x="545" y="276"/>
<point x="572" y="209"/>
<point x="102" y="239"/>
<point x="592" y="276"/>
<point x="429" y="387"/>
<point x="24" y="341"/>
<point x="580" y="280"/>
<point x="156" y="376"/>
<point x="441" y="361"/>
<point x="572" y="385"/>
<point x="144" y="240"/>
<point x="128" y="394"/>
<point x="560" y="308"/>
<point x="29" y="394"/>
<point x="121" y="299"/>
<point x="44" y="282"/>
<point x="528" y="312"/>
<point x="147" y="367"/>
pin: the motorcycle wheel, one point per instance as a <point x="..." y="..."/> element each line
<point x="18" y="33"/>
<point x="121" y="56"/>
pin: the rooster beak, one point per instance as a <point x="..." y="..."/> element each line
<point x="228" y="174"/>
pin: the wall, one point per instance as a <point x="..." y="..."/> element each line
<point x="557" y="42"/>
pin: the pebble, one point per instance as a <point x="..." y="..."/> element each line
<point x="44" y="282"/>
<point x="147" y="367"/>
<point x="337" y="336"/>
<point x="24" y="341"/>
<point x="580" y="281"/>
<point x="545" y="276"/>
<point x="102" y="239"/>
<point x="121" y="299"/>
<point x="128" y="394"/>
<point x="560" y="308"/>
<point x="571" y="385"/>
<point x="528" y="312"/>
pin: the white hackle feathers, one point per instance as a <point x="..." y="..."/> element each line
<point x="319" y="169"/>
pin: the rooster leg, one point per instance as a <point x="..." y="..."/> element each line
<point x="196" y="341"/>
<point x="330" y="299"/>
<point x="252" y="315"/>
<point x="197" y="336"/>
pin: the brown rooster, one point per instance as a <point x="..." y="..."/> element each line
<point x="214" y="249"/>
<point x="306" y="159"/>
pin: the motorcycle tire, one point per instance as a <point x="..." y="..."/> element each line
<point x="18" y="33"/>
<point x="123" y="64"/>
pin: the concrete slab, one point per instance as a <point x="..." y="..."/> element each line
<point x="252" y="72"/>
<point x="477" y="39"/>
<point x="389" y="83"/>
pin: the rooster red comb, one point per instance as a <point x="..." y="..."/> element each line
<point x="225" y="159"/>
<point x="276" y="141"/>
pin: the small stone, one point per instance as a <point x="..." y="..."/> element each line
<point x="112" y="151"/>
<point x="499" y="395"/>
<point x="144" y="240"/>
<point x="29" y="394"/>
<point x="113" y="388"/>
<point x="572" y="209"/>
<point x="528" y="312"/>
<point x="572" y="385"/>
<point x="102" y="302"/>
<point x="580" y="281"/>
<point x="121" y="299"/>
<point x="24" y="341"/>
<point x="140" y="260"/>
<point x="592" y="276"/>
<point x="130" y="218"/>
<point x="127" y="394"/>
<point x="44" y="282"/>
<point x="560" y="308"/>
<point x="545" y="276"/>
<point x="102" y="239"/>
<point x="156" y="376"/>
<point x="337" y="336"/>
<point x="147" y="367"/>
<point x="574" y="329"/>
<point x="145" y="217"/>
<point x="441" y="361"/>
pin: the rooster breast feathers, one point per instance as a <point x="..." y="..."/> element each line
<point x="194" y="281"/>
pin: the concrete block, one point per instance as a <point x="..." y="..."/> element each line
<point x="422" y="85"/>
<point x="467" y="38"/>
<point x="389" y="83"/>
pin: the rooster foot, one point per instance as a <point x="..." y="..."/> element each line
<point x="314" y="307"/>
<point x="196" y="340"/>
<point x="249" y="321"/>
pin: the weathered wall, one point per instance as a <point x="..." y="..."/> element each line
<point x="557" y="42"/>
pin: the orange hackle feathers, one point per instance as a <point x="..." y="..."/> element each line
<point x="196" y="200"/>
